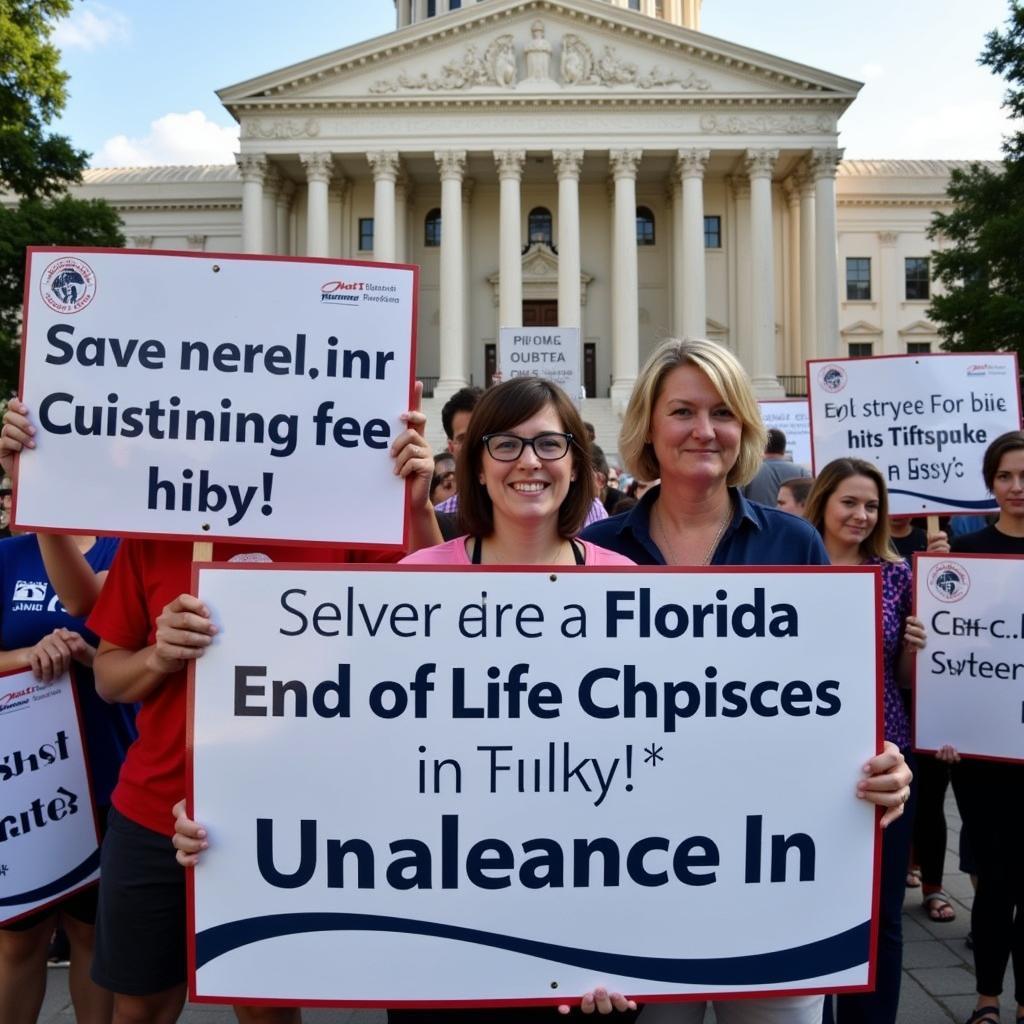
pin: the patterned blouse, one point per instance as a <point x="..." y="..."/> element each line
<point x="896" y="605"/>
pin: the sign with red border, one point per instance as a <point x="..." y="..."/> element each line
<point x="215" y="397"/>
<point x="503" y="787"/>
<point x="969" y="683"/>
<point x="49" y="843"/>
<point x="923" y="420"/>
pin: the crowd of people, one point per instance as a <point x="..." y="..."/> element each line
<point x="522" y="483"/>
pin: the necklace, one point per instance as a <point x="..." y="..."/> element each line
<point x="709" y="554"/>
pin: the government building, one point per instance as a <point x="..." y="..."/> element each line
<point x="600" y="164"/>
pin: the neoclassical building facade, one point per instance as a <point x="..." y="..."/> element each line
<point x="586" y="163"/>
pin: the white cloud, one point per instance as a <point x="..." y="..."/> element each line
<point x="172" y="139"/>
<point x="91" y="27"/>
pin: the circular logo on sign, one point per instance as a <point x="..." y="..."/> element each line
<point x="832" y="378"/>
<point x="948" y="581"/>
<point x="68" y="285"/>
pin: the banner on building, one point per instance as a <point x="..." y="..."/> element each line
<point x="515" y="786"/>
<point x="792" y="417"/>
<point x="924" y="420"/>
<point x="49" y="845"/>
<point x="549" y="352"/>
<point x="969" y="686"/>
<point x="215" y="396"/>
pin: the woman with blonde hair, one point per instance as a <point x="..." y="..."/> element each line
<point x="693" y="421"/>
<point x="848" y="505"/>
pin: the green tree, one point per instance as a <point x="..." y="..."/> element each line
<point x="982" y="308"/>
<point x="35" y="165"/>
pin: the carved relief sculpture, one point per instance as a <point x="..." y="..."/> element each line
<point x="496" y="67"/>
<point x="581" y="67"/>
<point x="538" y="55"/>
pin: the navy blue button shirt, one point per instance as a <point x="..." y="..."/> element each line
<point x="757" y="535"/>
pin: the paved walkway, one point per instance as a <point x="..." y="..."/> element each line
<point x="938" y="972"/>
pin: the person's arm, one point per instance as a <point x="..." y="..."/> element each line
<point x="414" y="461"/>
<point x="73" y="578"/>
<point x="915" y="637"/>
<point x="183" y="632"/>
<point x="15" y="435"/>
<point x="886" y="782"/>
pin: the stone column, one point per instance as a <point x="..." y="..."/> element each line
<point x="891" y="291"/>
<point x="691" y="166"/>
<point x="793" y="363"/>
<point x="318" y="175"/>
<point x="452" y="165"/>
<point x="385" y="174"/>
<point x="468" y="184"/>
<point x="744" y="331"/>
<point x="824" y="163"/>
<point x="674" y="201"/>
<point x="403" y="188"/>
<point x="420" y="11"/>
<point x="253" y="167"/>
<point x="344" y="187"/>
<point x="625" y="298"/>
<point x="282" y="208"/>
<point x="759" y="164"/>
<point x="271" y="187"/>
<point x="647" y="7"/>
<point x="510" y="268"/>
<point x="808" y="294"/>
<point x="567" y="167"/>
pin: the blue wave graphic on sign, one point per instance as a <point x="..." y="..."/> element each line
<point x="982" y="505"/>
<point x="58" y="885"/>
<point x="826" y="956"/>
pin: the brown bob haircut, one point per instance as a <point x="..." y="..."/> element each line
<point x="502" y="408"/>
<point x="878" y="543"/>
<point x="1011" y="441"/>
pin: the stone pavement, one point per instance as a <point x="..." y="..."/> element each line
<point x="938" y="972"/>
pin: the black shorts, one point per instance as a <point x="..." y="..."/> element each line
<point x="140" y="925"/>
<point x="80" y="905"/>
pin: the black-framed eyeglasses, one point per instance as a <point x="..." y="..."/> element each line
<point x="548" y="446"/>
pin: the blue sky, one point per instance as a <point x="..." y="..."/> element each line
<point x="143" y="74"/>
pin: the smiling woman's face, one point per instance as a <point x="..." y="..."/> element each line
<point x="695" y="435"/>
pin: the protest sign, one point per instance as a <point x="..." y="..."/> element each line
<point x="792" y="417"/>
<point x="969" y="685"/>
<point x="215" y="397"/>
<point x="549" y="352"/>
<point x="924" y="420"/>
<point x="518" y="785"/>
<point x="49" y="845"/>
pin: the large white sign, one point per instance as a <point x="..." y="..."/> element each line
<point x="468" y="786"/>
<point x="793" y="418"/>
<point x="969" y="688"/>
<point x="924" y="420"/>
<point x="49" y="845"/>
<point x="214" y="397"/>
<point x="549" y="352"/>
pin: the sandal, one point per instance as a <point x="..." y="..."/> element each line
<point x="914" y="878"/>
<point x="939" y="908"/>
<point x="984" y="1015"/>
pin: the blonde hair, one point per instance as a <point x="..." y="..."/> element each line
<point x="729" y="379"/>
<point x="878" y="543"/>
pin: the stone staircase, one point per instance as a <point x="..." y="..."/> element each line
<point x="598" y="411"/>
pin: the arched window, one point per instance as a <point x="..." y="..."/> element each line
<point x="644" y="226"/>
<point x="538" y="226"/>
<point x="432" y="229"/>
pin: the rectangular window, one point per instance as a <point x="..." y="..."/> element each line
<point x="917" y="276"/>
<point x="431" y="8"/>
<point x="860" y="349"/>
<point x="713" y="232"/>
<point x="858" y="279"/>
<point x="366" y="234"/>
<point x="918" y="346"/>
<point x="454" y="5"/>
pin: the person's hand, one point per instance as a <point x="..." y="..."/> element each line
<point x="938" y="543"/>
<point x="601" y="1001"/>
<point x="189" y="839"/>
<point x="915" y="636"/>
<point x="183" y="632"/>
<point x="887" y="782"/>
<point x="16" y="434"/>
<point x="50" y="658"/>
<point x="413" y="458"/>
<point x="948" y="754"/>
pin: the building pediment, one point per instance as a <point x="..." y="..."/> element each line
<point x="540" y="275"/>
<point x="861" y="329"/>
<point x="538" y="51"/>
<point x="918" y="329"/>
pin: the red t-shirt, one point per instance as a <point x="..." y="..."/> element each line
<point x="145" y="576"/>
